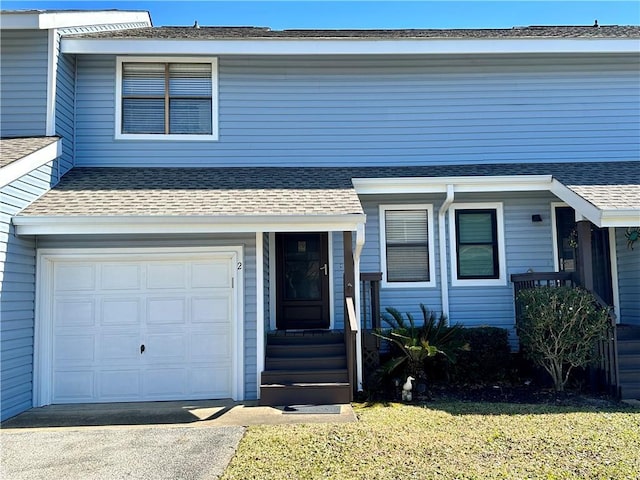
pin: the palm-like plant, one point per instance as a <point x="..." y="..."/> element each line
<point x="417" y="343"/>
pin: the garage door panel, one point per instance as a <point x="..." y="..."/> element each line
<point x="166" y="310"/>
<point x="212" y="309"/>
<point x="74" y="349"/>
<point x="213" y="274"/>
<point x="120" y="311"/>
<point x="119" y="385"/>
<point x="166" y="275"/>
<point x="211" y="380"/>
<point x="74" y="386"/>
<point x="165" y="383"/>
<point x="121" y="276"/>
<point x="119" y="348"/>
<point x="212" y="346"/>
<point x="180" y="308"/>
<point x="75" y="277"/>
<point x="74" y="312"/>
<point x="165" y="348"/>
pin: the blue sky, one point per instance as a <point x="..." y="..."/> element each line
<point x="365" y="14"/>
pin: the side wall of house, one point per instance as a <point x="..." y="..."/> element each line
<point x="66" y="90"/>
<point x="628" y="278"/>
<point x="65" y="107"/>
<point x="247" y="241"/>
<point x="23" y="82"/>
<point x="17" y="293"/>
<point x="336" y="111"/>
<point x="528" y="246"/>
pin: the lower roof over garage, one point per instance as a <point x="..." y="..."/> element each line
<point x="251" y="199"/>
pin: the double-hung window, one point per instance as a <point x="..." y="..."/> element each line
<point x="407" y="247"/>
<point x="477" y="248"/>
<point x="166" y="98"/>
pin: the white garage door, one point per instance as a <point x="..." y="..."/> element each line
<point x="136" y="328"/>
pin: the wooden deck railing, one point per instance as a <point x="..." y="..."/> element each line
<point x="605" y="375"/>
<point x="370" y="288"/>
<point x="607" y="371"/>
<point x="350" y="332"/>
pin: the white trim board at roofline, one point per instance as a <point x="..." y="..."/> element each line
<point x="60" y="225"/>
<point x="27" y="164"/>
<point x="57" y="19"/>
<point x="507" y="183"/>
<point x="356" y="46"/>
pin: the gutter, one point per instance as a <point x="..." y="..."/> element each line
<point x="356" y="300"/>
<point x="442" y="237"/>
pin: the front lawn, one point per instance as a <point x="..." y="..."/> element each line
<point x="449" y="440"/>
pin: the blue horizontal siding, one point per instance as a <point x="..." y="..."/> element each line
<point x="628" y="279"/>
<point x="17" y="293"/>
<point x="288" y="111"/>
<point x="529" y="246"/>
<point x="23" y="82"/>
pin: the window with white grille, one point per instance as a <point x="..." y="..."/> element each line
<point x="170" y="99"/>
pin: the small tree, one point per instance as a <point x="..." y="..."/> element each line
<point x="559" y="327"/>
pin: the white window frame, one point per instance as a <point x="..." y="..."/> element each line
<point x="173" y="137"/>
<point x="431" y="245"/>
<point x="502" y="264"/>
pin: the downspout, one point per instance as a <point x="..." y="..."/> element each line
<point x="356" y="300"/>
<point x="444" y="280"/>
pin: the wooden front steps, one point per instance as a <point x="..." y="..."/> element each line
<point x="305" y="368"/>
<point x="629" y="361"/>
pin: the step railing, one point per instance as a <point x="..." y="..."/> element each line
<point x="370" y="302"/>
<point x="608" y="371"/>
<point x="350" y="333"/>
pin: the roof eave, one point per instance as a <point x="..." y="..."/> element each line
<point x="103" y="225"/>
<point x="43" y="20"/>
<point x="30" y="162"/>
<point x="352" y="46"/>
<point x="506" y="183"/>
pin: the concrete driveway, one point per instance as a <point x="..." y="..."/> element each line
<point x="153" y="440"/>
<point x="156" y="452"/>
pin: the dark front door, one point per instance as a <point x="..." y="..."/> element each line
<point x="600" y="252"/>
<point x="302" y="280"/>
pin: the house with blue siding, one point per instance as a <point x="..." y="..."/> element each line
<point x="218" y="202"/>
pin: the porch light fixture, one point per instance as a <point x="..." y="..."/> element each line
<point x="536" y="218"/>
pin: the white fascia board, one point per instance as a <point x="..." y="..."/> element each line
<point x="620" y="218"/>
<point x="508" y="183"/>
<point x="47" y="20"/>
<point x="21" y="167"/>
<point x="166" y="224"/>
<point x="579" y="204"/>
<point x="322" y="46"/>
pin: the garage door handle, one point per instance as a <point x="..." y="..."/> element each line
<point x="141" y="349"/>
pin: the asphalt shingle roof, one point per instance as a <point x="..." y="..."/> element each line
<point x="197" y="192"/>
<point x="294" y="191"/>
<point x="12" y="149"/>
<point x="239" y="33"/>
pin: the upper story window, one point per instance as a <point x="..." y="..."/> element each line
<point x="477" y="237"/>
<point x="407" y="248"/>
<point x="166" y="98"/>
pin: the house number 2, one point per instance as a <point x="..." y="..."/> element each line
<point x="239" y="266"/>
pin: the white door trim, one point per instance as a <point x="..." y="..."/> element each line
<point x="43" y="329"/>
<point x="554" y="234"/>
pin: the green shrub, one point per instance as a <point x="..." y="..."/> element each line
<point x="558" y="329"/>
<point x="488" y="358"/>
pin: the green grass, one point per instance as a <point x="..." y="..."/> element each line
<point x="448" y="440"/>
